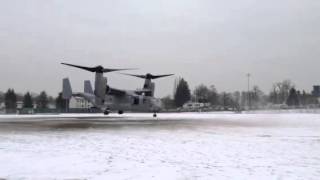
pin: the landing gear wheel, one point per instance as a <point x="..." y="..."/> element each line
<point x="120" y="112"/>
<point x="106" y="112"/>
<point x="154" y="115"/>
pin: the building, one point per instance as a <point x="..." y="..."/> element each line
<point x="19" y="104"/>
<point x="316" y="91"/>
<point x="195" y="105"/>
<point x="79" y="103"/>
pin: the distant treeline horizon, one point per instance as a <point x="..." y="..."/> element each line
<point x="283" y="92"/>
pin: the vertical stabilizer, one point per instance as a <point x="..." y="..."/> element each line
<point x="88" y="87"/>
<point x="66" y="89"/>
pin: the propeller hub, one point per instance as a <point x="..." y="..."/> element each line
<point x="149" y="76"/>
<point x="99" y="69"/>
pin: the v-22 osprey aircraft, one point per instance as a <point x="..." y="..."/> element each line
<point x="110" y="99"/>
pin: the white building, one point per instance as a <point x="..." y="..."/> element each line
<point x="195" y="105"/>
<point x="19" y="104"/>
<point x="79" y="103"/>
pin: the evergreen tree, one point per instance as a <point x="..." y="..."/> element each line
<point x="182" y="93"/>
<point x="42" y="101"/>
<point x="293" y="98"/>
<point x="60" y="102"/>
<point x="27" y="101"/>
<point x="1" y="97"/>
<point x="303" y="98"/>
<point x="213" y="95"/>
<point x="10" y="100"/>
<point x="281" y="91"/>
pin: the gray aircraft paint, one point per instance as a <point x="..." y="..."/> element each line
<point x="107" y="98"/>
<point x="100" y="89"/>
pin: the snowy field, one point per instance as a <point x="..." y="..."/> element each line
<point x="173" y="146"/>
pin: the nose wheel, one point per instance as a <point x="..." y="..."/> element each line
<point x="154" y="114"/>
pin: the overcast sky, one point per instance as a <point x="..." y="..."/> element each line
<point x="205" y="41"/>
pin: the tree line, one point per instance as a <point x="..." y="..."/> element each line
<point x="282" y="94"/>
<point x="39" y="102"/>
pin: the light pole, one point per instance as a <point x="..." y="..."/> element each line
<point x="249" y="99"/>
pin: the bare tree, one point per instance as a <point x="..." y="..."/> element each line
<point x="280" y="91"/>
<point x="256" y="97"/>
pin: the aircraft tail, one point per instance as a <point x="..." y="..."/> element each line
<point x="66" y="89"/>
<point x="88" y="87"/>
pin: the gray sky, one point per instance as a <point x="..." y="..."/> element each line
<point x="205" y="41"/>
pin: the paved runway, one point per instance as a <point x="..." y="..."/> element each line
<point x="142" y="120"/>
<point x="69" y="122"/>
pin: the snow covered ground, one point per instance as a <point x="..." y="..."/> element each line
<point x="174" y="146"/>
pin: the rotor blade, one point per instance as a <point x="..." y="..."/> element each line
<point x="161" y="76"/>
<point x="81" y="67"/>
<point x="134" y="75"/>
<point x="98" y="69"/>
<point x="106" y="70"/>
<point x="148" y="76"/>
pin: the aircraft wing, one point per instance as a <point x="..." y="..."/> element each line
<point x="116" y="92"/>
